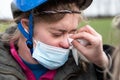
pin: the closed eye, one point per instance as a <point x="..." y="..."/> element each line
<point x="73" y="31"/>
<point x="57" y="34"/>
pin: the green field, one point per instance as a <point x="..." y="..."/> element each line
<point x="102" y="26"/>
<point x="4" y="25"/>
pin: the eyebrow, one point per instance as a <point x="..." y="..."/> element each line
<point x="63" y="30"/>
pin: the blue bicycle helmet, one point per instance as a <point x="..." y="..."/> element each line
<point x="26" y="5"/>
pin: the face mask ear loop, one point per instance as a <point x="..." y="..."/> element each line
<point x="35" y="41"/>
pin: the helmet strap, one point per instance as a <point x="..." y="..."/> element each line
<point x="28" y="35"/>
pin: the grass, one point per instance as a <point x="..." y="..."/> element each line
<point x="4" y="25"/>
<point x="102" y="26"/>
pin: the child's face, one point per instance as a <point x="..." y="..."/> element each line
<point x="56" y="34"/>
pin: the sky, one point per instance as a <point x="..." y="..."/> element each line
<point x="98" y="7"/>
<point x="5" y="11"/>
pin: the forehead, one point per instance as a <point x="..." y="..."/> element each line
<point x="69" y="21"/>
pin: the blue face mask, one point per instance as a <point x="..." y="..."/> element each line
<point x="49" y="56"/>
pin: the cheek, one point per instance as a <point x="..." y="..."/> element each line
<point x="45" y="37"/>
<point x="48" y="39"/>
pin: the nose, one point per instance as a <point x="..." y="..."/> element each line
<point x="64" y="43"/>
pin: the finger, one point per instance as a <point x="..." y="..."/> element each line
<point x="82" y="49"/>
<point x="78" y="46"/>
<point x="88" y="29"/>
<point x="84" y="35"/>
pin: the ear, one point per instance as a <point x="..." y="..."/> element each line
<point x="25" y="23"/>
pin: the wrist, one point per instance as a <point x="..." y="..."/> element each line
<point x="107" y="66"/>
<point x="102" y="61"/>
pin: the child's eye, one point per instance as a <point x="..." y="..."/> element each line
<point x="57" y="35"/>
<point x="73" y="32"/>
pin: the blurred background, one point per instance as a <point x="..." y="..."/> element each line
<point x="99" y="15"/>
